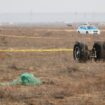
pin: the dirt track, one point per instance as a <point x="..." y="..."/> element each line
<point x="65" y="82"/>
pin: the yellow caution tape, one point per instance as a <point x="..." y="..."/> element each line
<point x="36" y="50"/>
<point x="35" y="37"/>
<point x="28" y="37"/>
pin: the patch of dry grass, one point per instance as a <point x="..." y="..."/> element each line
<point x="65" y="82"/>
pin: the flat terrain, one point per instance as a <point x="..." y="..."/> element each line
<point x="65" y="82"/>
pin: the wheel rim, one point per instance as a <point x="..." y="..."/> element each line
<point x="77" y="53"/>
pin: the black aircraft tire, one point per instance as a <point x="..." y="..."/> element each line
<point x="100" y="50"/>
<point x="80" y="52"/>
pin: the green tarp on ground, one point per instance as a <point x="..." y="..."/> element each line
<point x="24" y="79"/>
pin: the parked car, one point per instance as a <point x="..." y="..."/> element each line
<point x="88" y="29"/>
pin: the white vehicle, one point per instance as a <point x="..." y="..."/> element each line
<point x="88" y="29"/>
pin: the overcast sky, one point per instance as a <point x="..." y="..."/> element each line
<point x="51" y="6"/>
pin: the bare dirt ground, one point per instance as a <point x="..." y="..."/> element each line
<point x="65" y="82"/>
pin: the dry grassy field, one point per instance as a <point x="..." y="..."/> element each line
<point x="65" y="82"/>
